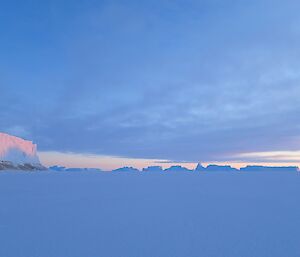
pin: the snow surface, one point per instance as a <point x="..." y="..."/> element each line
<point x="17" y="150"/>
<point x="188" y="214"/>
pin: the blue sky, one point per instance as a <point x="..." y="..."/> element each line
<point x="187" y="81"/>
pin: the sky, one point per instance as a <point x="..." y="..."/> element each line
<point x="107" y="83"/>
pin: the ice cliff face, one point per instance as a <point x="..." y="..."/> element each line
<point x="18" y="153"/>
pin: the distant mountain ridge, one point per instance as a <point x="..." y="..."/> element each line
<point x="177" y="168"/>
<point x="61" y="168"/>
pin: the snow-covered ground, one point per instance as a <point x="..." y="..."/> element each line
<point x="96" y="214"/>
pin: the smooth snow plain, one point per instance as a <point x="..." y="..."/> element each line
<point x="97" y="214"/>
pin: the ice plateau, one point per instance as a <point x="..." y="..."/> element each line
<point x="17" y="153"/>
